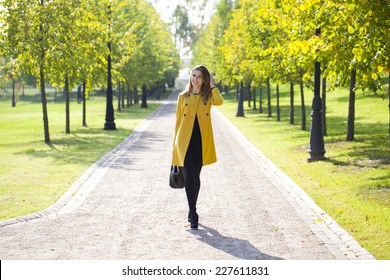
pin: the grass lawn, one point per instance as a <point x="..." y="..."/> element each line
<point x="35" y="175"/>
<point x="353" y="185"/>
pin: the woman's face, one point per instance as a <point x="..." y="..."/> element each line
<point x="196" y="78"/>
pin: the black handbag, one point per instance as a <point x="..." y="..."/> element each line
<point x="176" y="177"/>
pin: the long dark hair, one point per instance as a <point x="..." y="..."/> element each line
<point x="205" y="89"/>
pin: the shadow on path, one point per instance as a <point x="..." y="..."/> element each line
<point x="239" y="248"/>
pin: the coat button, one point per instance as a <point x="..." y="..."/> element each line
<point x="186" y="104"/>
<point x="185" y="115"/>
<point x="205" y="103"/>
<point x="207" y="114"/>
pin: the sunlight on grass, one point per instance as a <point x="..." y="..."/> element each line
<point x="353" y="185"/>
<point x="35" y="175"/>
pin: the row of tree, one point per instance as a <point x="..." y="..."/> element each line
<point x="254" y="42"/>
<point x="89" y="42"/>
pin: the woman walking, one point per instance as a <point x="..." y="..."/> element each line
<point x="193" y="145"/>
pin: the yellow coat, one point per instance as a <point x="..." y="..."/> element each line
<point x="187" y="108"/>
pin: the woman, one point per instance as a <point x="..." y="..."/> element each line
<point x="193" y="144"/>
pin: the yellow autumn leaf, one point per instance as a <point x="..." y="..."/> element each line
<point x="374" y="76"/>
<point x="319" y="220"/>
<point x="351" y="30"/>
<point x="380" y="69"/>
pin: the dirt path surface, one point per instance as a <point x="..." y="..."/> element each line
<point x="123" y="208"/>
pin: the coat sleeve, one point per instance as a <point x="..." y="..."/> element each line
<point x="216" y="97"/>
<point x="178" y="117"/>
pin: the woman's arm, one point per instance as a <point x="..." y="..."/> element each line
<point x="216" y="97"/>
<point x="178" y="116"/>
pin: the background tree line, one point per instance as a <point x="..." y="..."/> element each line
<point x="252" y="43"/>
<point x="66" y="43"/>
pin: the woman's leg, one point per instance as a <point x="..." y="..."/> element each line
<point x="192" y="169"/>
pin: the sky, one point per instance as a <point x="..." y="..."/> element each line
<point x="166" y="7"/>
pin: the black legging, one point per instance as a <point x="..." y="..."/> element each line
<point x="193" y="166"/>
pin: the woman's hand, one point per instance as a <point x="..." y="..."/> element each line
<point x="212" y="82"/>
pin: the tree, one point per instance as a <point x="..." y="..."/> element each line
<point x="354" y="37"/>
<point x="31" y="42"/>
<point x="351" y="107"/>
<point x="72" y="42"/>
<point x="138" y="55"/>
<point x="183" y="27"/>
<point x="208" y="49"/>
<point x="274" y="40"/>
<point x="65" y="62"/>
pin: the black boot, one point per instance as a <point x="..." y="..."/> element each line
<point x="194" y="220"/>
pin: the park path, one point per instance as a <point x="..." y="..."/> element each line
<point x="124" y="208"/>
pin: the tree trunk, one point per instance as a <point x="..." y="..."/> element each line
<point x="85" y="104"/>
<point x="240" y="108"/>
<point x="261" y="100"/>
<point x="226" y="89"/>
<point x="291" y="103"/>
<point x="44" y="101"/>
<point x="13" y="93"/>
<point x="277" y="103"/>
<point x="67" y="117"/>
<point x="303" y="108"/>
<point x="324" y="106"/>
<point x="128" y="97"/>
<point x="388" y="93"/>
<point x="119" y="96"/>
<point x="123" y="96"/>
<point x="144" y="103"/>
<point x="135" y="92"/>
<point x="131" y="96"/>
<point x="254" y="99"/>
<point x="351" y="107"/>
<point x="269" y="98"/>
<point x="248" y="94"/>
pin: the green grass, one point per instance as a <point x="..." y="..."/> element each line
<point x="34" y="175"/>
<point x="353" y="185"/>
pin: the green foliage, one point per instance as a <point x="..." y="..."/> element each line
<point x="183" y="28"/>
<point x="153" y="56"/>
<point x="277" y="39"/>
<point x="73" y="36"/>
<point x="51" y="40"/>
<point x="188" y="23"/>
<point x="206" y="50"/>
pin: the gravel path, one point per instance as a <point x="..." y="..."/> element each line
<point x="123" y="208"/>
